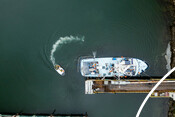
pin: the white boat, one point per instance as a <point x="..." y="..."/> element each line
<point x="112" y="67"/>
<point x="59" y="69"/>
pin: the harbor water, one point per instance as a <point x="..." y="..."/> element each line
<point x="30" y="31"/>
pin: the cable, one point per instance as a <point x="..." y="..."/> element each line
<point x="154" y="88"/>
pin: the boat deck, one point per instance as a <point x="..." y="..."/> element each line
<point x="111" y="67"/>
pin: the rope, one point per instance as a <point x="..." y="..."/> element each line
<point x="153" y="89"/>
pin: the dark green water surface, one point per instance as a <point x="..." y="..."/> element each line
<point x="29" y="28"/>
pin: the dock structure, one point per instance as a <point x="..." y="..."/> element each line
<point x="166" y="89"/>
<point x="42" y="115"/>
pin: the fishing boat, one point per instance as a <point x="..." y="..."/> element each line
<point x="59" y="69"/>
<point x="112" y="67"/>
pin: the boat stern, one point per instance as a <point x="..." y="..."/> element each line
<point x="84" y="68"/>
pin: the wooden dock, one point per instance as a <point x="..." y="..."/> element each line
<point x="166" y="88"/>
<point x="41" y="115"/>
<point x="132" y="87"/>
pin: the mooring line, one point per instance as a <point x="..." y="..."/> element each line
<point x="153" y="89"/>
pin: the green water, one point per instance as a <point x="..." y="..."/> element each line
<point x="28" y="29"/>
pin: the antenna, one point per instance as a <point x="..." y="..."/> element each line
<point x="94" y="54"/>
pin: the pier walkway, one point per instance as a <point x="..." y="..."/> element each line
<point x="166" y="88"/>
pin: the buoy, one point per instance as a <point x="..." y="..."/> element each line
<point x="125" y="76"/>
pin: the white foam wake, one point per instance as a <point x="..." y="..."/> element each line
<point x="60" y="41"/>
<point x="168" y="57"/>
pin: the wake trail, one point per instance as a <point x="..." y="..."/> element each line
<point x="61" y="41"/>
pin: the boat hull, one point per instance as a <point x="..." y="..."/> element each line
<point x="59" y="69"/>
<point x="112" y="67"/>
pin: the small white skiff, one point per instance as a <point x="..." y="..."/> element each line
<point x="59" y="69"/>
